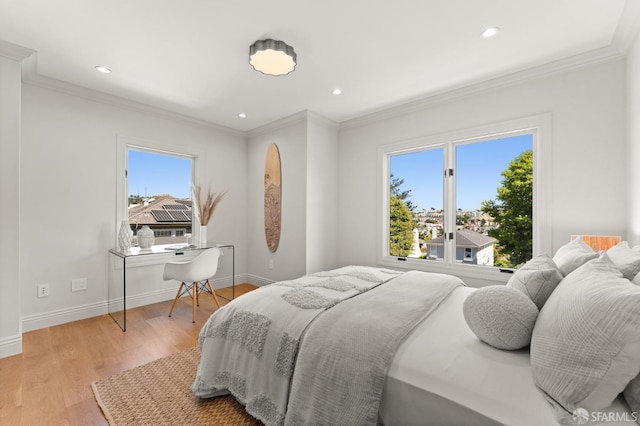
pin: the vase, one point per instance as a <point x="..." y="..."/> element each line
<point x="202" y="240"/>
<point x="125" y="236"/>
<point x="146" y="237"/>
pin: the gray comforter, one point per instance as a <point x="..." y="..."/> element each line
<point x="308" y="351"/>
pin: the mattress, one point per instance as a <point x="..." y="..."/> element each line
<point x="443" y="374"/>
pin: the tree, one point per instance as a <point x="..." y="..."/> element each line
<point x="402" y="195"/>
<point x="401" y="222"/>
<point x="513" y="210"/>
<point x="401" y="226"/>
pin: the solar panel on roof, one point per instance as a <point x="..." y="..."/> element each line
<point x="178" y="216"/>
<point x="188" y="214"/>
<point x="175" y="207"/>
<point x="161" y="216"/>
<point x="185" y="202"/>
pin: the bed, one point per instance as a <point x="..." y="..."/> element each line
<point x="366" y="345"/>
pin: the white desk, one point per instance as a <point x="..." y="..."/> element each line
<point x="117" y="295"/>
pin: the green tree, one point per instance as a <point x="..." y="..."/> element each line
<point x="513" y="210"/>
<point x="401" y="222"/>
<point x="402" y="195"/>
<point x="401" y="226"/>
<point x="135" y="199"/>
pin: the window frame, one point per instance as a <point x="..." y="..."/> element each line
<point x="124" y="143"/>
<point x="538" y="125"/>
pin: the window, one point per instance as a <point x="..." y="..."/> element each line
<point x="472" y="196"/>
<point x="154" y="189"/>
<point x="159" y="194"/>
<point x="468" y="254"/>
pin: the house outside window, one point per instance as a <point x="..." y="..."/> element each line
<point x="154" y="188"/>
<point x="159" y="194"/>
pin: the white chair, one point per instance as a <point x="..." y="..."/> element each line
<point x="194" y="275"/>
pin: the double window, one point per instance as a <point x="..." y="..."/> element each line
<point x="468" y="199"/>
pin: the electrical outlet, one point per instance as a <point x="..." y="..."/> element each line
<point x="43" y="290"/>
<point x="78" y="284"/>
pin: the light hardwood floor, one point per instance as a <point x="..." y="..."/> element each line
<point x="50" y="382"/>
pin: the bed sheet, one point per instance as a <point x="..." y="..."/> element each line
<point x="443" y="374"/>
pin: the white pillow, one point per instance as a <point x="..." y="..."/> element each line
<point x="537" y="279"/>
<point x="500" y="316"/>
<point x="585" y="347"/>
<point x="573" y="255"/>
<point x="625" y="259"/>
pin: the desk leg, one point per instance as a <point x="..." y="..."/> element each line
<point x="124" y="294"/>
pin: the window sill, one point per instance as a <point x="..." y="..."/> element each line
<point x="488" y="275"/>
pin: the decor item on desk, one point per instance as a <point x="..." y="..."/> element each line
<point x="272" y="197"/>
<point x="205" y="204"/>
<point x="125" y="236"/>
<point x="146" y="237"/>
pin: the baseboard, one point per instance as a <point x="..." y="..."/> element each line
<point x="61" y="316"/>
<point x="257" y="280"/>
<point x="10" y="346"/>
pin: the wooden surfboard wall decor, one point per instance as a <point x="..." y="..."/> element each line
<point x="272" y="197"/>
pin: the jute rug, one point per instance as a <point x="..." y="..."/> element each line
<point x="159" y="393"/>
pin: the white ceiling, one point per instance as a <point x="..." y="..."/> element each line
<point x="191" y="56"/>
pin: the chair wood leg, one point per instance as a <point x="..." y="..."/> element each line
<point x="176" y="299"/>
<point x="194" y="293"/>
<point x="213" y="293"/>
<point x="197" y="288"/>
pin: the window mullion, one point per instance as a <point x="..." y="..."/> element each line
<point x="450" y="204"/>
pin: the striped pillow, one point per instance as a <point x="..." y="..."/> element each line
<point x="585" y="347"/>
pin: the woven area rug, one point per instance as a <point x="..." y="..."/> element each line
<point x="159" y="393"/>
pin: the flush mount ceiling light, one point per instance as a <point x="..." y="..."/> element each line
<point x="102" y="69"/>
<point x="272" y="57"/>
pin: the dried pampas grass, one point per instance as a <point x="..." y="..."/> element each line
<point x="205" y="203"/>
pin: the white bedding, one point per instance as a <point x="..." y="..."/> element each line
<point x="443" y="375"/>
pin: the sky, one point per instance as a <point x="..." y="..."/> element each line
<point x="151" y="173"/>
<point x="478" y="171"/>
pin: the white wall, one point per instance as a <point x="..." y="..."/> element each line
<point x="322" y="194"/>
<point x="588" y="147"/>
<point x="308" y="145"/>
<point x="68" y="216"/>
<point x="633" y="143"/>
<point x="290" y="135"/>
<point x="10" y="145"/>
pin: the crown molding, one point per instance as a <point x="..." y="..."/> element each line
<point x="298" y="117"/>
<point x="321" y="119"/>
<point x="14" y="51"/>
<point x="31" y="76"/>
<point x="628" y="27"/>
<point x="590" y="58"/>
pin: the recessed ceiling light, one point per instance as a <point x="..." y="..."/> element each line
<point x="242" y="115"/>
<point x="102" y="69"/>
<point x="490" y="32"/>
<point x="337" y="91"/>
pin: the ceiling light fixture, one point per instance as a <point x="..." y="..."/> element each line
<point x="337" y="91"/>
<point x="102" y="69"/>
<point x="490" y="32"/>
<point x="242" y="115"/>
<point x="272" y="57"/>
